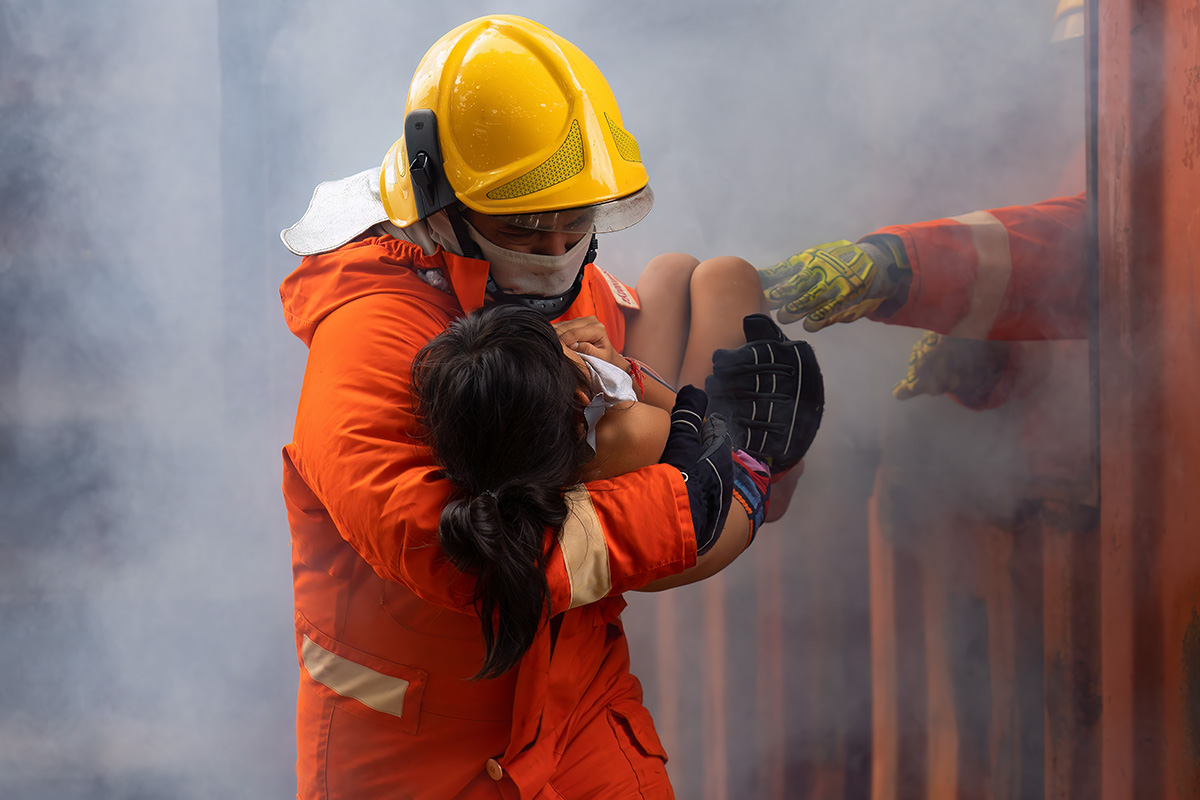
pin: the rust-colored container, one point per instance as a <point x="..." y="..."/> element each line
<point x="1147" y="117"/>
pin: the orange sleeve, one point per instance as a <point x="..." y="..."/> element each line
<point x="1016" y="273"/>
<point x="355" y="445"/>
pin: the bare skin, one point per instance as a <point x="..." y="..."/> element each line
<point x="629" y="436"/>
<point x="629" y="429"/>
<point x="678" y="338"/>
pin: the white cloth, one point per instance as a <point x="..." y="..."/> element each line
<point x="610" y="385"/>
<point x="532" y="273"/>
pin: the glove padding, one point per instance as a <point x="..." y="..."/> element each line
<point x="772" y="392"/>
<point x="701" y="449"/>
<point x="837" y="281"/>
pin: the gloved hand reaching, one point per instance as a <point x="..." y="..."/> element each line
<point x="771" y="391"/>
<point x="837" y="281"/>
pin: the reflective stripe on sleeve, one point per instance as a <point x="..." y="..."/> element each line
<point x="991" y="278"/>
<point x="374" y="689"/>
<point x="584" y="550"/>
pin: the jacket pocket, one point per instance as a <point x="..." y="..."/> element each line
<point x="358" y="682"/>
<point x="634" y="727"/>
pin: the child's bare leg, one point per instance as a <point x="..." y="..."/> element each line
<point x="658" y="333"/>
<point x="723" y="291"/>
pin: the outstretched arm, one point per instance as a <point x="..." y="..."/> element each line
<point x="1014" y="273"/>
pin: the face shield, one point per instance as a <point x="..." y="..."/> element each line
<point x="612" y="215"/>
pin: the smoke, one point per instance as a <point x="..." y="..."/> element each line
<point x="149" y="157"/>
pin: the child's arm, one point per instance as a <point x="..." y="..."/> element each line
<point x="628" y="437"/>
<point x="654" y="390"/>
<point x="588" y="335"/>
<point x="632" y="436"/>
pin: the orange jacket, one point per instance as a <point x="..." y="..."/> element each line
<point x="1016" y="274"/>
<point x="1006" y="274"/>
<point x="385" y="629"/>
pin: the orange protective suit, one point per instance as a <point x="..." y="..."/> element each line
<point x="385" y="628"/>
<point x="1016" y="274"/>
<point x="1012" y="273"/>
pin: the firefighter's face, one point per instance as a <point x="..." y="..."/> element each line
<point x="530" y="262"/>
<point x="523" y="240"/>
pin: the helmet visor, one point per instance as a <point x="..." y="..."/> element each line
<point x="612" y="215"/>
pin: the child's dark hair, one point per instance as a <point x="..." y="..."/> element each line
<point x="500" y="405"/>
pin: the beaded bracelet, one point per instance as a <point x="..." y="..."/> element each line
<point x="635" y="372"/>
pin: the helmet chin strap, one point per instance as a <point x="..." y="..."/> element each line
<point x="554" y="305"/>
<point x="466" y="245"/>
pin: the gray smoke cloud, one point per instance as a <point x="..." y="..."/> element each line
<point x="150" y="154"/>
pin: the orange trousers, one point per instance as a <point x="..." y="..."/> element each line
<point x="607" y="749"/>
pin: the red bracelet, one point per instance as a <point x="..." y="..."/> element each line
<point x="635" y="372"/>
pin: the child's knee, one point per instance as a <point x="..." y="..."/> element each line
<point x="669" y="270"/>
<point x="727" y="271"/>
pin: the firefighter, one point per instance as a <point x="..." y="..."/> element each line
<point x="514" y="154"/>
<point x="1004" y="275"/>
<point x="978" y="276"/>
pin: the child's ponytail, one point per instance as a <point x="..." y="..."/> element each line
<point x="502" y="408"/>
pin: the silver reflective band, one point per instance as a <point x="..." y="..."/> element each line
<point x="612" y="215"/>
<point x="339" y="211"/>
<point x="374" y="689"/>
<point x="993" y="272"/>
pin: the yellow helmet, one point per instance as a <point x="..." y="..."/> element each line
<point x="510" y="119"/>
<point x="1068" y="20"/>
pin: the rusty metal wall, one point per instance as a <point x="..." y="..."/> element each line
<point x="1051" y="648"/>
<point x="1148" y="202"/>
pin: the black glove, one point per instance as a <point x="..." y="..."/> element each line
<point x="771" y="391"/>
<point x="700" y="448"/>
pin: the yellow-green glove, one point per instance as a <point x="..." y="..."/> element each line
<point x="967" y="368"/>
<point x="837" y="281"/>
